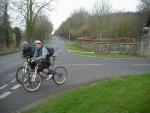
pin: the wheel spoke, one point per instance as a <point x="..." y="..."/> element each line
<point x="20" y="74"/>
<point x="60" y="75"/>
<point x="30" y="85"/>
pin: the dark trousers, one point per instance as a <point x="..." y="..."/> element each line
<point x="43" y="65"/>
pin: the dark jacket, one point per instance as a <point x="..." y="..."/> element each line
<point x="28" y="51"/>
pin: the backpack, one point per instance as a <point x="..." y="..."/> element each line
<point x="50" y="50"/>
<point x="32" y="50"/>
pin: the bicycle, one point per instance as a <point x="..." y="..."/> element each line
<point x="33" y="79"/>
<point x="21" y="71"/>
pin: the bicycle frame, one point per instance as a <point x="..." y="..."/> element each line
<point x="25" y="65"/>
<point x="53" y="63"/>
<point x="33" y="76"/>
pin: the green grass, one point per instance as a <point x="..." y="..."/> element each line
<point x="79" y="51"/>
<point x="73" y="46"/>
<point x="130" y="94"/>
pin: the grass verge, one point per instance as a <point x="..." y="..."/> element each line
<point x="5" y="51"/>
<point x="73" y="48"/>
<point x="130" y="94"/>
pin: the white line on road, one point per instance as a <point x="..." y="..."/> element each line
<point x="2" y="87"/>
<point x="16" y="86"/>
<point x="13" y="81"/>
<point x="93" y="84"/>
<point x="82" y="64"/>
<point x="79" y="51"/>
<point x="141" y="64"/>
<point x="4" y="95"/>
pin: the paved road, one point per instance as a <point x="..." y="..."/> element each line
<point x="82" y="70"/>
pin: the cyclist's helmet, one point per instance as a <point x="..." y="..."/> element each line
<point x="37" y="42"/>
<point x="24" y="43"/>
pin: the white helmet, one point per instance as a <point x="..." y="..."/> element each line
<point x="24" y="43"/>
<point x="37" y="42"/>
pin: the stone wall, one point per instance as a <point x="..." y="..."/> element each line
<point x="110" y="48"/>
<point x="142" y="48"/>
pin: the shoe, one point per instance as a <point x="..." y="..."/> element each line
<point x="49" y="77"/>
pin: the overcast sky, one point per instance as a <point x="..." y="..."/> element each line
<point x="63" y="8"/>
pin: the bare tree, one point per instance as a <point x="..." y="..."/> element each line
<point x="102" y="7"/>
<point x="101" y="11"/>
<point x="144" y="5"/>
<point x="43" y="28"/>
<point x="30" y="10"/>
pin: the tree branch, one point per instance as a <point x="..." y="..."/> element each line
<point x="41" y="9"/>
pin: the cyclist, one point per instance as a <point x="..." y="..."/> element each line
<point x="41" y="54"/>
<point x="28" y="52"/>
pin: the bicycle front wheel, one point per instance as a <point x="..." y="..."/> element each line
<point x="60" y="75"/>
<point x="31" y="85"/>
<point x="20" y="74"/>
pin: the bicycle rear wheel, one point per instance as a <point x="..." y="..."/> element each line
<point x="31" y="85"/>
<point x="60" y="75"/>
<point x="20" y="74"/>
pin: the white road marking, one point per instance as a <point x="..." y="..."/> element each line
<point x="4" y="95"/>
<point x="93" y="84"/>
<point x="141" y="64"/>
<point x="13" y="81"/>
<point x="2" y="87"/>
<point x="79" y="51"/>
<point x="82" y="64"/>
<point x="16" y="86"/>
